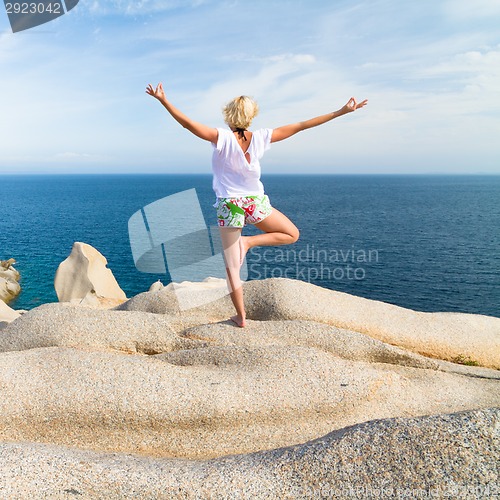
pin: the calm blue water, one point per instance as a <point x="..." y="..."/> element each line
<point x="430" y="243"/>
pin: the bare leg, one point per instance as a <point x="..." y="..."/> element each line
<point x="230" y="237"/>
<point x="278" y="230"/>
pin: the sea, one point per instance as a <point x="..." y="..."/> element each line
<point x="425" y="242"/>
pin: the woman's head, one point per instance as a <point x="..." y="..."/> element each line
<point x="240" y="112"/>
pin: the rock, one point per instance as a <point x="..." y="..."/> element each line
<point x="179" y="297"/>
<point x="180" y="403"/>
<point x="161" y="301"/>
<point x="65" y="325"/>
<point x="7" y="270"/>
<point x="337" y="341"/>
<point x="93" y="301"/>
<point x="191" y="295"/>
<point x="446" y="336"/>
<point x="157" y="285"/>
<point x="83" y="276"/>
<point x="204" y="402"/>
<point x="438" y="335"/>
<point x="7" y="315"/>
<point x="9" y="290"/>
<point x="9" y="277"/>
<point x="438" y="456"/>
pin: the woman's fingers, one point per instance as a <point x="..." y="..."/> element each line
<point x="155" y="92"/>
<point x="352" y="104"/>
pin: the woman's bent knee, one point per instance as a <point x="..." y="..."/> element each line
<point x="294" y="235"/>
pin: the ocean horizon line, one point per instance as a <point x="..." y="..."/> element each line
<point x="267" y="174"/>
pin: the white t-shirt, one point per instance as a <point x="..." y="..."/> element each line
<point x="234" y="176"/>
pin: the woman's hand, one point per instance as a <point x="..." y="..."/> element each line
<point x="353" y="105"/>
<point x="198" y="129"/>
<point x="158" y="92"/>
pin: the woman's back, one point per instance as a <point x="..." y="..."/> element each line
<point x="236" y="162"/>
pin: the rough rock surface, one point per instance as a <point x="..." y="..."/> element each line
<point x="213" y="400"/>
<point x="83" y="276"/>
<point x="151" y="401"/>
<point x="66" y="325"/>
<point x="439" y="335"/>
<point x="440" y="456"/>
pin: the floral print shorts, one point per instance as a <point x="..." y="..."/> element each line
<point x="236" y="212"/>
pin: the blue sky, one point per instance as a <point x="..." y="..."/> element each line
<point x="72" y="91"/>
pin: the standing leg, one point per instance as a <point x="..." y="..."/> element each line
<point x="230" y="237"/>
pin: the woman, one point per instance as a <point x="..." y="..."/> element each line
<point x="236" y="182"/>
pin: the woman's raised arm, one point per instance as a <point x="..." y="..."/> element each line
<point x="281" y="133"/>
<point x="198" y="129"/>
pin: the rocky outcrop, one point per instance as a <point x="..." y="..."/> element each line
<point x="68" y="325"/>
<point x="84" y="278"/>
<point x="190" y="380"/>
<point x="150" y="400"/>
<point x="448" y="336"/>
<point x="211" y="401"/>
<point x="438" y="456"/>
<point x="9" y="281"/>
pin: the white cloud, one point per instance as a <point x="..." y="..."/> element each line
<point x="470" y="81"/>
<point x="472" y="61"/>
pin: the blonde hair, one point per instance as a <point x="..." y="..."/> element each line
<point x="240" y="112"/>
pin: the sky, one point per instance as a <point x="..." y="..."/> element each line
<point x="72" y="91"/>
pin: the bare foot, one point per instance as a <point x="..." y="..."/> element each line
<point x="238" y="320"/>
<point x="243" y="248"/>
